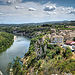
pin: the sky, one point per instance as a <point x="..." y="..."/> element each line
<point x="36" y="11"/>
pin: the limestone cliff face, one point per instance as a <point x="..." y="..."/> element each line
<point x="38" y="46"/>
<point x="41" y="45"/>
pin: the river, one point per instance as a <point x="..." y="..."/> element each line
<point x="19" y="47"/>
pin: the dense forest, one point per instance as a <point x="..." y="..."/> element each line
<point x="6" y="39"/>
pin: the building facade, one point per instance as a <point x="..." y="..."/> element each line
<point x="57" y="39"/>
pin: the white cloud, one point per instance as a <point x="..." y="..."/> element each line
<point x="31" y="9"/>
<point x="49" y="8"/>
<point x="51" y="13"/>
<point x="11" y="1"/>
<point x="42" y="12"/>
<point x="1" y="13"/>
<point x="67" y="10"/>
<point x="19" y="7"/>
<point x="72" y="12"/>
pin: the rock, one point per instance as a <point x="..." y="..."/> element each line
<point x="11" y="72"/>
<point x="1" y="73"/>
<point x="22" y="59"/>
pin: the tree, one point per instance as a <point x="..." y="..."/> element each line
<point x="17" y="66"/>
<point x="67" y="52"/>
<point x="74" y="39"/>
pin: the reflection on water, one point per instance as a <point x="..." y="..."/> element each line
<point x="18" y="48"/>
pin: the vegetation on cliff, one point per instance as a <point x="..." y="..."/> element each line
<point x="51" y="60"/>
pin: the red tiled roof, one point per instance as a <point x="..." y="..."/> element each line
<point x="70" y="42"/>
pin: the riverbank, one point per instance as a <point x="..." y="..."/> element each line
<point x="6" y="40"/>
<point x="19" y="47"/>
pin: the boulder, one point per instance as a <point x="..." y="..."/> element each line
<point x="1" y="73"/>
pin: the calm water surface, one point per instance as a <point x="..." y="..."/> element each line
<point x="19" y="47"/>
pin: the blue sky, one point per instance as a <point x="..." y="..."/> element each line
<point x="34" y="11"/>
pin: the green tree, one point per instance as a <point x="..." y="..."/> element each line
<point x="74" y="39"/>
<point x="67" y="52"/>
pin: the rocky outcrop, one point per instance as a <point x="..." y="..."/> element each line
<point x="1" y="73"/>
<point x="11" y="72"/>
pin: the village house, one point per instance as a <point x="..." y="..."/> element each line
<point x="72" y="34"/>
<point x="72" y="47"/>
<point x="71" y="26"/>
<point x="65" y="31"/>
<point x="62" y="33"/>
<point x="53" y="30"/>
<point x="57" y="39"/>
<point x="67" y="34"/>
<point x="68" y="42"/>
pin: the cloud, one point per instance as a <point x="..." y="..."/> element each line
<point x="19" y="7"/>
<point x="51" y="13"/>
<point x="72" y="12"/>
<point x="68" y="10"/>
<point x="49" y="8"/>
<point x="10" y="1"/>
<point x="43" y="12"/>
<point x="1" y="13"/>
<point x="31" y="9"/>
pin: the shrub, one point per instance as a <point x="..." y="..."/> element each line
<point x="67" y="53"/>
<point x="49" y="46"/>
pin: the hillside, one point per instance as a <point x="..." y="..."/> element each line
<point x="6" y="39"/>
<point x="41" y="23"/>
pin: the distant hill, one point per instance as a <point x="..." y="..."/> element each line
<point x="53" y="22"/>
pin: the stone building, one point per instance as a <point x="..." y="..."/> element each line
<point x="57" y="39"/>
